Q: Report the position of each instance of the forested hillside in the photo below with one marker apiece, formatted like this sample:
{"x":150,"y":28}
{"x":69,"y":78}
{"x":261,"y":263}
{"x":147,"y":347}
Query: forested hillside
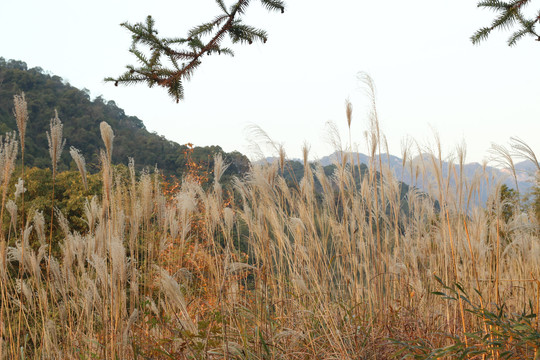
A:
{"x":81,"y":117}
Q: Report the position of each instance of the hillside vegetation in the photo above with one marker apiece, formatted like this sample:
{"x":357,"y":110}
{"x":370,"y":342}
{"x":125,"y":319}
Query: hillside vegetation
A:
{"x":81,"y":117}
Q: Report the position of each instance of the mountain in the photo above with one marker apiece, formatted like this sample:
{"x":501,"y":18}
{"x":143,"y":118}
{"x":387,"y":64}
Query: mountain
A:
{"x":81,"y":117}
{"x":526,"y":171}
{"x":423,"y":164}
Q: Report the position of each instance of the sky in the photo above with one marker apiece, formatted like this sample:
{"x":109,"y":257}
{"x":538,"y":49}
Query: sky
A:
{"x":430,"y":79}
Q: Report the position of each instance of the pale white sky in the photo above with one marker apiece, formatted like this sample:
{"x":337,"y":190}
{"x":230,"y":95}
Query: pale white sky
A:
{"x":428,"y":74}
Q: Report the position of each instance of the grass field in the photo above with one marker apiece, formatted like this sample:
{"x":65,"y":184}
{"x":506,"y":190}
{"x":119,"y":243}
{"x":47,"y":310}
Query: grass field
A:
{"x":268,"y":270}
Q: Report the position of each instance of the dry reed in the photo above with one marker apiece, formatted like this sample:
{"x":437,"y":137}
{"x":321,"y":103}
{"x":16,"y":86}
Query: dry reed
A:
{"x":325,"y":269}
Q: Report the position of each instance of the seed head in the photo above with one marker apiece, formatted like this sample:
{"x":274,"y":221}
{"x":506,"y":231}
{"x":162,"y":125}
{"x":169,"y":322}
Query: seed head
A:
{"x":348,"y":112}
{"x":56,"y":143}
{"x":21,"y":115}
{"x":81,"y":165}
{"x":8,"y":154}
{"x":107,"y":135}
{"x":19,"y":188}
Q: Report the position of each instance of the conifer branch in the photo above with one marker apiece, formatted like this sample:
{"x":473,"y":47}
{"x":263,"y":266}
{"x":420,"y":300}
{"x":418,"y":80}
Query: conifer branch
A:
{"x":189,"y":50}
{"x":510,"y":14}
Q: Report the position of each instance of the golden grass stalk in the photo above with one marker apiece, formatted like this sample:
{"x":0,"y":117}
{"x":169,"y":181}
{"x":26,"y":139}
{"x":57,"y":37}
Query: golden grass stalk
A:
{"x":21,"y":115}
{"x":55,"y":140}
{"x":81,"y":165}
{"x":107,"y":135}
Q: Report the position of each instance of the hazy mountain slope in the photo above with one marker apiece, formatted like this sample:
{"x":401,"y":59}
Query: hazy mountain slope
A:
{"x":423,"y":164}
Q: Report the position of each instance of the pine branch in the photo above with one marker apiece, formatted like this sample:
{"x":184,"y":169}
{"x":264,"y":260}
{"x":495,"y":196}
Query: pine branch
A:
{"x":274,"y":5}
{"x":152,"y":71}
{"x":222,"y":6}
{"x":516,"y":36}
{"x":494,"y":4}
{"x":509,"y":15}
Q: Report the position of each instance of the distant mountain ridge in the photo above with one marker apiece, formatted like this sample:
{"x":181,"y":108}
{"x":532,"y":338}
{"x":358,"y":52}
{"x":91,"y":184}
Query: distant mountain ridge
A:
{"x":525,"y":170}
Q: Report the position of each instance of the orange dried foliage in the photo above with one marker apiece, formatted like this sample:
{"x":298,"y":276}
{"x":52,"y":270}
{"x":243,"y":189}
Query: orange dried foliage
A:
{"x":196,"y":172}
{"x":196,"y":254}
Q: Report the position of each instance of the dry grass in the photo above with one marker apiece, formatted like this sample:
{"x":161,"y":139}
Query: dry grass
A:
{"x":275,"y":272}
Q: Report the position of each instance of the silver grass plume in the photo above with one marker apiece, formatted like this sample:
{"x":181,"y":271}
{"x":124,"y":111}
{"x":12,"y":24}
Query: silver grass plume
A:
{"x":8,"y":154}
{"x":282,"y":157}
{"x":81,"y":165}
{"x":370,"y":91}
{"x":16,"y":253}
{"x":62,"y":221}
{"x":107,"y":135}
{"x":107,"y":178}
{"x":39,"y":226}
{"x":348,"y":112}
{"x":91,"y":212}
{"x":305,"y":156}
{"x":255,"y":132}
{"x":145,"y":185}
{"x":219,"y":169}
{"x":118,"y":260}
{"x":503,"y":157}
{"x":522,"y":150}
{"x":175,"y":297}
{"x":406,"y":145}
{"x":228,"y":217}
{"x":56,"y":143}
{"x":3,"y":263}
{"x":19,"y":188}
{"x":307,"y":181}
{"x":131,"y":167}
{"x":12,"y":209}
{"x":334,"y":139}
{"x":21,"y":115}
{"x":131,"y":321}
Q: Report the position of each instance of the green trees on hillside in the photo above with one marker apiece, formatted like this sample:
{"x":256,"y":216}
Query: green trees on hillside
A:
{"x":81,"y":117}
{"x":173,"y":60}
{"x":509,"y":199}
{"x":536,"y":203}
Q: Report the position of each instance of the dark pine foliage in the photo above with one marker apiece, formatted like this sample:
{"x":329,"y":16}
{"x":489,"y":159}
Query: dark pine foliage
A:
{"x":167,"y":62}
{"x":509,"y":15}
